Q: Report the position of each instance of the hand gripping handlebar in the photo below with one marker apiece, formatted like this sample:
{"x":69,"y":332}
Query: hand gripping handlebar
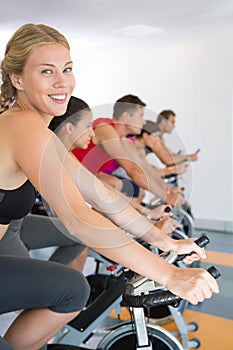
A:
{"x":142,"y":292}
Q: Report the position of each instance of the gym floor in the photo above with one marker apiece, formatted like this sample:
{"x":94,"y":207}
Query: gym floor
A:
{"x":214,"y":316}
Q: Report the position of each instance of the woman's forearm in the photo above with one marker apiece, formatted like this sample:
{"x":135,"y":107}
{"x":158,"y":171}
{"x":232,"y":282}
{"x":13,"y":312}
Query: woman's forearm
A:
{"x":151,"y":265}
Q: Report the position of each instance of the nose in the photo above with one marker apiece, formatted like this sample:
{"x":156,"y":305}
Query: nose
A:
{"x":92,"y":133}
{"x":60,"y":80}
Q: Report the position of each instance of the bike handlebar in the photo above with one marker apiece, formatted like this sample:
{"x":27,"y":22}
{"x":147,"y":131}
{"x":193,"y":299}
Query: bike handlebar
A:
{"x":156,"y":297}
{"x":201,"y":242}
{"x":159,"y":297}
{"x":171,"y":256}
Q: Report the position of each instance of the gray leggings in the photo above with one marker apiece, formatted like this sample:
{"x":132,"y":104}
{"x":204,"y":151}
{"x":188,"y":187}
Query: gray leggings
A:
{"x":36,"y":232}
{"x":30,"y":283}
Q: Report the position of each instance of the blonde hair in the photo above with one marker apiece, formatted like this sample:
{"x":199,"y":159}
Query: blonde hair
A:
{"x":17,"y":52}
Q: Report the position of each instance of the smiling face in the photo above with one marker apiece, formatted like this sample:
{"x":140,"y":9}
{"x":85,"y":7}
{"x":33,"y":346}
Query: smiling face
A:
{"x":47,"y":81}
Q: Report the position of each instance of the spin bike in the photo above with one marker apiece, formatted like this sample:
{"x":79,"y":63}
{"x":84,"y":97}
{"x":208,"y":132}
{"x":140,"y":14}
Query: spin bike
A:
{"x":136,"y":292}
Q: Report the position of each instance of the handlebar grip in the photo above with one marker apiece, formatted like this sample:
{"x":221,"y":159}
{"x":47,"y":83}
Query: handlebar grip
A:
{"x":214,"y":272}
{"x":159,"y":297}
{"x":201,"y":242}
{"x":167,"y":209}
{"x":150,"y":300}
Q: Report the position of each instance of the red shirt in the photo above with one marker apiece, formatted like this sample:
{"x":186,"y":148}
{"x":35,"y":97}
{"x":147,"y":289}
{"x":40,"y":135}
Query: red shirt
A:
{"x":94,"y":157}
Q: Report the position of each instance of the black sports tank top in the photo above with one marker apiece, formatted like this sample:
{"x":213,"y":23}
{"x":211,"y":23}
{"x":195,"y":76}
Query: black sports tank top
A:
{"x":15,"y":204}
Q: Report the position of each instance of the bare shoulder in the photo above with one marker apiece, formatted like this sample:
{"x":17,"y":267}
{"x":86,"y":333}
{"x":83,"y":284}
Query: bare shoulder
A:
{"x":20,"y":117}
{"x":20,"y":125}
{"x":104,"y":131}
{"x":23,"y":134}
{"x":17,"y":140}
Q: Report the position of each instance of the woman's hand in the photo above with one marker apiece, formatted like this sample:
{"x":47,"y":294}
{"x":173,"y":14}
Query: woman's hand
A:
{"x":168,"y":225}
{"x":192,"y":284}
{"x":188,"y":246}
{"x":161,"y":212}
{"x":182,"y":167}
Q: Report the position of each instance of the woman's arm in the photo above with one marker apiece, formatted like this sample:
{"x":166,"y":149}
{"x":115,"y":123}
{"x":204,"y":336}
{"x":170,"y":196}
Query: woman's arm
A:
{"x":163,"y":153}
{"x":118,"y":148}
{"x":173,"y":198}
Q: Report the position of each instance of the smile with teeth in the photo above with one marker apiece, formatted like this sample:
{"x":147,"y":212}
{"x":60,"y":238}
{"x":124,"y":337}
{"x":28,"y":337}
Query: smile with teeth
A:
{"x":58,"y":97}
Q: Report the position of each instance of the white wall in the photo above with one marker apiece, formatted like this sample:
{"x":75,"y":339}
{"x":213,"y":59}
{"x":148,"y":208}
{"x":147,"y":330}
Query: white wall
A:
{"x":192,"y":74}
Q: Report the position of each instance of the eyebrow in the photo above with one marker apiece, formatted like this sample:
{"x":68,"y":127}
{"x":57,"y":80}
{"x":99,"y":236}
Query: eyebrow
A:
{"x":52,"y":65}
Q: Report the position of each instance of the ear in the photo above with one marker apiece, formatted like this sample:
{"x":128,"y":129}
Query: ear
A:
{"x":69,"y":128}
{"x":16,"y":81}
{"x":125,"y":117}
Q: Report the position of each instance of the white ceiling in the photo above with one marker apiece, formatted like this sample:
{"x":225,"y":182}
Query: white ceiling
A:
{"x":96,"y":22}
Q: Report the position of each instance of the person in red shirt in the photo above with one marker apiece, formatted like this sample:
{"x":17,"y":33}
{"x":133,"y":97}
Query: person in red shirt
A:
{"x":110,"y":149}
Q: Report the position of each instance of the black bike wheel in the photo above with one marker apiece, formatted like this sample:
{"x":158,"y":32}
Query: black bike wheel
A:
{"x":124,"y":337}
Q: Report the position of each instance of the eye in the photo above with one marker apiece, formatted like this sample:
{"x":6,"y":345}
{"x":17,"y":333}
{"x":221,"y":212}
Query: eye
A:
{"x":47,"y":71}
{"x":68,"y":70}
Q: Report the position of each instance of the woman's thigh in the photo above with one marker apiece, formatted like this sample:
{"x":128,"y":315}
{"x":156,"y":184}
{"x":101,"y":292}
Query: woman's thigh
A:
{"x":30,"y":283}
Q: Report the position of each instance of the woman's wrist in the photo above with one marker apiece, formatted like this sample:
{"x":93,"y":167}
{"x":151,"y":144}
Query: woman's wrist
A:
{"x":166,"y":243}
{"x":147,"y":213}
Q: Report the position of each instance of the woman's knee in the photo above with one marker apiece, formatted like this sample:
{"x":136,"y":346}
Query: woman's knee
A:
{"x":80,"y":289}
{"x":76,"y":291}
